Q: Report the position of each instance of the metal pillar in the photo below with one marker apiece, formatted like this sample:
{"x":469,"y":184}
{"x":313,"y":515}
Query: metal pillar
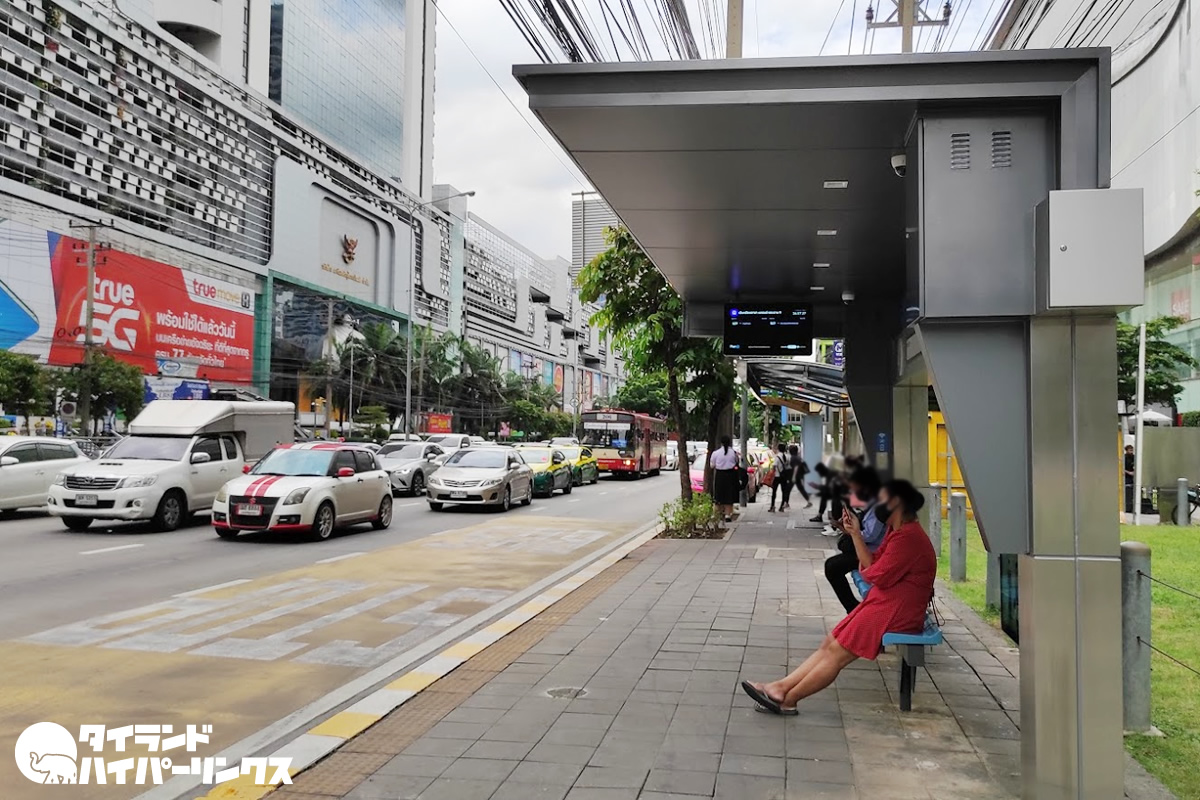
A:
{"x":958,"y":536}
{"x":1183,"y":511}
{"x":1070,"y":600}
{"x":992,"y":588}
{"x":812,"y":434}
{"x":933,"y":507}
{"x":743,"y":433}
{"x":1135,"y":635}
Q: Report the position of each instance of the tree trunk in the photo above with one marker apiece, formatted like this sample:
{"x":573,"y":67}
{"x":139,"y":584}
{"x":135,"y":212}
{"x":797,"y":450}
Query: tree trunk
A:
{"x":677,"y":414}
{"x":716,"y":413}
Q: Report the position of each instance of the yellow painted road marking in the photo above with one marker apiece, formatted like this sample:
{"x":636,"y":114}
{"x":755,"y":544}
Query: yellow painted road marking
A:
{"x":414,"y":681}
{"x":345,"y":724}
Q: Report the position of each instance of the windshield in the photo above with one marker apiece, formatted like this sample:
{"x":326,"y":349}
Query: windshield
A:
{"x":699,"y":461}
{"x":617,"y":432}
{"x":532,"y":456}
{"x":401,"y":451}
{"x":448,"y":439}
{"x":294,"y":462}
{"x":489,"y":458}
{"x":572,"y":453}
{"x":150,"y":448}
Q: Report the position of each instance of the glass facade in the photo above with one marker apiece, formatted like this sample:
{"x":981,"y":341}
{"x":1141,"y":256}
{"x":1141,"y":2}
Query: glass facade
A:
{"x":1170,"y":288}
{"x":339,"y":66}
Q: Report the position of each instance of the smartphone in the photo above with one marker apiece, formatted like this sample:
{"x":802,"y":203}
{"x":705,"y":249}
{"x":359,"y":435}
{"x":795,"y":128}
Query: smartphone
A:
{"x":17,"y":320}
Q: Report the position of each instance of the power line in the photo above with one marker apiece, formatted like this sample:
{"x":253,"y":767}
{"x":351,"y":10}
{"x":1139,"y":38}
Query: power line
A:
{"x":832,"y":23}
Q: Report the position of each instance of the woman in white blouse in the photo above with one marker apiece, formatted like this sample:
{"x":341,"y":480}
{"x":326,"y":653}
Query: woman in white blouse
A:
{"x":724,"y":462}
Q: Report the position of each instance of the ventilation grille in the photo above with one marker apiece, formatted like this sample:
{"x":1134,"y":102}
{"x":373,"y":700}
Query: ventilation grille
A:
{"x":960,"y":151}
{"x":1001,"y":149}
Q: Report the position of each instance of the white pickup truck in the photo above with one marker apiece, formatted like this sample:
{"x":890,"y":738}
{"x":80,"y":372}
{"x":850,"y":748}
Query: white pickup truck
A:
{"x":178,"y":454}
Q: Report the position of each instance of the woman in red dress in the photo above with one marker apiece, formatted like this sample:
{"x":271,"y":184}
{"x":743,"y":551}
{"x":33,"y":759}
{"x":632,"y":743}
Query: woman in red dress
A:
{"x":901,"y":574}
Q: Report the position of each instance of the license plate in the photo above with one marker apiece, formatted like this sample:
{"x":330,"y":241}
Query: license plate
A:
{"x":250,"y":511}
{"x":458,"y":495}
{"x":85,"y":500}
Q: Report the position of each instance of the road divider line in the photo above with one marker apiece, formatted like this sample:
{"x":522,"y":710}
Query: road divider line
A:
{"x":319,"y":741}
{"x":540,"y":508}
{"x":408,"y":505}
{"x":110,"y":549}
{"x":576,"y":500}
{"x":342,"y":557}
{"x":213,"y":588}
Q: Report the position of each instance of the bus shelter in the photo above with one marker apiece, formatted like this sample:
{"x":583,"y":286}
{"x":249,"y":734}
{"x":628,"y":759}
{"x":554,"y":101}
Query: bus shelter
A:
{"x":948,"y":216}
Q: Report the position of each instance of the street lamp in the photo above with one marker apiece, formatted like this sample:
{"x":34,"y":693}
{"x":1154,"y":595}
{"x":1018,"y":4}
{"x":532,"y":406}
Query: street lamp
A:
{"x":412,"y":291}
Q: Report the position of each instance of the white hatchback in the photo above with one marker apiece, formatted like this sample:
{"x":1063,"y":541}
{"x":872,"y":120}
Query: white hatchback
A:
{"x":28,"y":467}
{"x":314,"y":487}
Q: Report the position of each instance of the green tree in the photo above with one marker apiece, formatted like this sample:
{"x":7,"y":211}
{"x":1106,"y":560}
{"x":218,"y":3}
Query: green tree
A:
{"x":23,"y":385}
{"x":1165,"y":362}
{"x":375,"y":417}
{"x":116,"y":387}
{"x":643,"y":315}
{"x":646,"y":393}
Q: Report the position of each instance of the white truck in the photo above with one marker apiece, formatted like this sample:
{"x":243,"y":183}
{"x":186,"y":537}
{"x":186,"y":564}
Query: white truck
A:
{"x":178,"y":454}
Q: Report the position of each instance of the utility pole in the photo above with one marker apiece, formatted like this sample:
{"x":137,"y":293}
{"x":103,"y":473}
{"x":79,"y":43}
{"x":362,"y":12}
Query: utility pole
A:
{"x":91,"y":248}
{"x":906,"y":15}
{"x":329,"y":374}
{"x":733,"y":29}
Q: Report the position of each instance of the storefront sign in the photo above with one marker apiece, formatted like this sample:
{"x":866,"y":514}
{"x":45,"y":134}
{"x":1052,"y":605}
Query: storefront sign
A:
{"x":558,"y":378}
{"x":439,"y":423}
{"x":175,"y":389}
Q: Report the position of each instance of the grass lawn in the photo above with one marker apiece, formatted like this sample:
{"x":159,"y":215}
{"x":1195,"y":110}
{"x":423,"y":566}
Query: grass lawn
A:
{"x":1175,"y":692}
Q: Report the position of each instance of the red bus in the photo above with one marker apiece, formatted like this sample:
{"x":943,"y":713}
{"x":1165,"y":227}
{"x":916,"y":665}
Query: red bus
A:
{"x":625,"y":442}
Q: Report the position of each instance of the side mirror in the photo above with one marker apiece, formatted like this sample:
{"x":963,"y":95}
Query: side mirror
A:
{"x":246,"y":469}
{"x":345,"y":472}
{"x":8,"y":461}
{"x":431,"y":457}
{"x":201,"y":458}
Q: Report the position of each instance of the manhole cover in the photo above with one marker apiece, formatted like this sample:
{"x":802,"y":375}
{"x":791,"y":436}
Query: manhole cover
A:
{"x":567,"y":692}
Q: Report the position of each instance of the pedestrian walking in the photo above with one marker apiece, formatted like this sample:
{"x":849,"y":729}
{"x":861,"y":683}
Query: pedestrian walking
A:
{"x":784,"y":472}
{"x":725,"y":463}
{"x":799,"y":472}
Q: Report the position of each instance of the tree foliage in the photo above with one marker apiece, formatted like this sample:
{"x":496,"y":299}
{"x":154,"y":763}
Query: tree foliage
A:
{"x":116,"y":387}
{"x":1164,"y":362}
{"x":645,"y":393}
{"x":23,"y":384}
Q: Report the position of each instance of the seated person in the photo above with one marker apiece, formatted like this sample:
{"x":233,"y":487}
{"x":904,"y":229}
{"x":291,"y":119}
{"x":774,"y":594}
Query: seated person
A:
{"x":864,"y":487}
{"x":901,"y":573}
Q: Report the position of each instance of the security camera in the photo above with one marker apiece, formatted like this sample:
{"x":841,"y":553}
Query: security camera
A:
{"x":900,"y":165}
{"x":847,"y":297}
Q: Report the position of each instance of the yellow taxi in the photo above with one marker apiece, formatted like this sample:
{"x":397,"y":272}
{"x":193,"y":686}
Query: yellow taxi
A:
{"x":551,"y":470}
{"x":584,"y":467}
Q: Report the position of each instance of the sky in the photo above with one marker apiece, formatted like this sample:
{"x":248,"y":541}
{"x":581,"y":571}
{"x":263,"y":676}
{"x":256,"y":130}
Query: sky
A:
{"x":486,"y":139}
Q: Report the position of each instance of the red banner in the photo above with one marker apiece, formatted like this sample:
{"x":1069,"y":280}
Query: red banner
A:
{"x":439,"y":423}
{"x":162,"y":318}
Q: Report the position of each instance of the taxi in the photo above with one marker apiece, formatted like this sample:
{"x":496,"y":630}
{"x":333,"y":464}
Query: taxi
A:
{"x":584,"y":467}
{"x":551,"y":470}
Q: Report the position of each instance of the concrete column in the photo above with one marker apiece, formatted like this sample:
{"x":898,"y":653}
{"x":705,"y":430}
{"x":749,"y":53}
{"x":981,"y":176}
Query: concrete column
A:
{"x":1183,"y":512}
{"x":1135,"y":635}
{"x":958,"y":536}
{"x":992,"y":589}
{"x":933,"y":507}
{"x":910,"y":427}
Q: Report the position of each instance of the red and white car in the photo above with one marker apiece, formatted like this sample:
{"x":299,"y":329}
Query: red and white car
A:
{"x":314,"y":487}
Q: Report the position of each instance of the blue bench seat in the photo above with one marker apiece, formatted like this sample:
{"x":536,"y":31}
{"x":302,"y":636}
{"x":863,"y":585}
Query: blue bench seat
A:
{"x":911,"y":646}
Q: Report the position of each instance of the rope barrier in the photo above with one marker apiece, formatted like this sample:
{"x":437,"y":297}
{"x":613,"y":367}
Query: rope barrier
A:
{"x":1192,"y":595}
{"x":1169,"y":656}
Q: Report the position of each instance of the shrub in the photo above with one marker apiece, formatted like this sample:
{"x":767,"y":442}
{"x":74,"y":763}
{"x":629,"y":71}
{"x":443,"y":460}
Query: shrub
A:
{"x":695,"y":518}
{"x":1191,"y":419}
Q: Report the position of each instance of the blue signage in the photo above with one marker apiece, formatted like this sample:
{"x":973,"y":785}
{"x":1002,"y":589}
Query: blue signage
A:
{"x":176,"y":389}
{"x":839,"y":352}
{"x":881,"y":443}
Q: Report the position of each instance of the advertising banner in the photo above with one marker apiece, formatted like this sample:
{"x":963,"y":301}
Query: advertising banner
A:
{"x":159,"y":388}
{"x":839,"y":352}
{"x":559,"y":378}
{"x":514,"y":361}
{"x":439,"y":423}
{"x":548,"y":374}
{"x":164,"y":319}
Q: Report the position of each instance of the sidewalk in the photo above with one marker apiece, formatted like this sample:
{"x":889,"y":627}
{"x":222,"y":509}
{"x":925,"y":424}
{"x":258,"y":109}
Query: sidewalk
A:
{"x":627,"y":689}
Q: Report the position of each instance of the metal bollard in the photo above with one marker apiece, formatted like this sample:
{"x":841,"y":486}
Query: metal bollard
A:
{"x":1135,"y":635}
{"x":958,"y":536}
{"x":1183,"y":511}
{"x":933,"y":505}
{"x":991,"y":593}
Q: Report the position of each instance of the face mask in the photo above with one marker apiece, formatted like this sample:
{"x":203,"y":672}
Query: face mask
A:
{"x":882,"y":512}
{"x":863,"y":497}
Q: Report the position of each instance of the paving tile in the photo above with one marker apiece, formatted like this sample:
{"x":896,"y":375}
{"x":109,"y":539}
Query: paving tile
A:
{"x":512,"y":751}
{"x":588,"y":793}
{"x":458,"y":730}
{"x":611,"y":778}
{"x":686,"y":761}
{"x":480,"y":769}
{"x":748,"y":787}
{"x":512,"y":790}
{"x":803,"y":770}
{"x":689,"y":782}
{"x":416,"y":766}
{"x":389,"y":787}
{"x":561,"y":753}
{"x":545,"y":773}
{"x":456,"y":789}
{"x":813,"y":790}
{"x":753,"y":765}
{"x":451,"y":748}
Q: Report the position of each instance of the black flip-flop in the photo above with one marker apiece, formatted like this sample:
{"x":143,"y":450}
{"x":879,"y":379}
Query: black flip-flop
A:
{"x":761,"y":697}
{"x":783,"y":712}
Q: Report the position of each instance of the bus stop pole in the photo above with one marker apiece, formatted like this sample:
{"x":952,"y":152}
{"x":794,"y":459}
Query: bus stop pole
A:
{"x":744,"y":433}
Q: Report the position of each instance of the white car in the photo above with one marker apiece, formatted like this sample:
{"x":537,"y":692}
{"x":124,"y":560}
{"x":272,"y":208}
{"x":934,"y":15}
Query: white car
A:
{"x":28,"y":467}
{"x":450,"y":441}
{"x":315,"y":487}
{"x":671,"y":460}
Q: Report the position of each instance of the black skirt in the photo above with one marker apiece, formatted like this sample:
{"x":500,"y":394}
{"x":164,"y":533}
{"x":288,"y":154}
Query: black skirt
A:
{"x":725,"y":487}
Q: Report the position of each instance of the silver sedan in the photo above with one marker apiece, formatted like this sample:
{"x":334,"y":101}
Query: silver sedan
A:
{"x":409,"y":465}
{"x":493,"y":476}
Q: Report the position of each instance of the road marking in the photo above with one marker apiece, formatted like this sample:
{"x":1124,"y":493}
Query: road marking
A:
{"x":573,"y":501}
{"x":541,"y":508}
{"x":408,"y":505}
{"x":110,"y":549}
{"x":761,"y":553}
{"x":342,"y":557}
{"x":604,"y":493}
{"x":225,"y":585}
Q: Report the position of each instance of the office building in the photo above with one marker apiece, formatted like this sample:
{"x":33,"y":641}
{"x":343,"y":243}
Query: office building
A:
{"x":590,"y":215}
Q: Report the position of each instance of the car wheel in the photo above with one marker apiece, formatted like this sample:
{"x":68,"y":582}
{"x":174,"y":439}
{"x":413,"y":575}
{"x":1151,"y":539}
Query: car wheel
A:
{"x":567,"y":489}
{"x":171,"y":511}
{"x":595,"y":476}
{"x":323,"y":522}
{"x":435,"y":506}
{"x":77,"y":523}
{"x":528,"y":498}
{"x":506,"y":501}
{"x":418,"y":484}
{"x":384,"y":518}
{"x":226,"y":533}
{"x":577,"y":478}
{"x":7,"y":513}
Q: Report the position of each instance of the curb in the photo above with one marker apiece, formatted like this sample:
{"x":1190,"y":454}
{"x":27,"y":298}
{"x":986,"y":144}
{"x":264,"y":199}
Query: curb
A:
{"x":322,"y":739}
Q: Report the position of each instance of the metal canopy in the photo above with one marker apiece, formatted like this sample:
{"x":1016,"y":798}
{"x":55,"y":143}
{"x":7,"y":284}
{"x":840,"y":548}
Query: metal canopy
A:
{"x":719,"y":168}
{"x":798,"y":380}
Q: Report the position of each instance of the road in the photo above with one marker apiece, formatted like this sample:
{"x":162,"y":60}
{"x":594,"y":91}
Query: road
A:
{"x":124,"y":626}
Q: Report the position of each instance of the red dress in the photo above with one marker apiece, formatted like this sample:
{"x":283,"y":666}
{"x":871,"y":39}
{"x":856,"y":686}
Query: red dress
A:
{"x":901,"y":577}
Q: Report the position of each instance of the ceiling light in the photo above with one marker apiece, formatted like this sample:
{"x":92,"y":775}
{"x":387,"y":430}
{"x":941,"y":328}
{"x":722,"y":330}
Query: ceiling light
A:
{"x":816,"y":288}
{"x":827,"y":232}
{"x":820,"y":265}
{"x":836,"y":184}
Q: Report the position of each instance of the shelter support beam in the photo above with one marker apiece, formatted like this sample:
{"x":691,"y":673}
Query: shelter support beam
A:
{"x":910,"y":425}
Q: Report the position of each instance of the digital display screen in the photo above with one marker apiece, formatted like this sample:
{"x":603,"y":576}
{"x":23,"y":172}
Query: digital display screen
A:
{"x":768,"y":329}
